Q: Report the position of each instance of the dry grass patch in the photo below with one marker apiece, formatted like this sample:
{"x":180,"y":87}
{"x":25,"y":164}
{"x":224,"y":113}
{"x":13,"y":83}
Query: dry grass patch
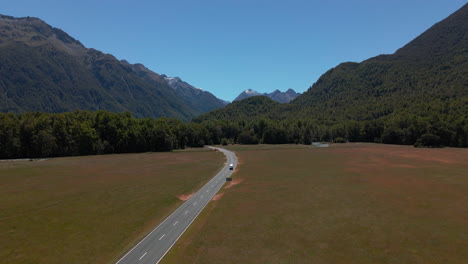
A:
{"x":350,"y":203}
{"x":92,"y":209}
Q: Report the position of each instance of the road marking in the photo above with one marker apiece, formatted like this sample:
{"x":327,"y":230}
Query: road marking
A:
{"x":143,"y":255}
{"x":176,"y":223}
{"x":207,"y":190}
{"x":220,"y":179}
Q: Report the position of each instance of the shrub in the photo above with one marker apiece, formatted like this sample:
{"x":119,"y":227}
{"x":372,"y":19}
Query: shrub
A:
{"x":339,"y":140}
{"x":428,"y":140}
{"x":224,"y":142}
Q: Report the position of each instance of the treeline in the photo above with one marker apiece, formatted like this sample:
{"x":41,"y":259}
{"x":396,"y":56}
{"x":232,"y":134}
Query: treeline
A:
{"x":34,"y":135}
{"x":433,"y":124}
{"x":403,"y":129}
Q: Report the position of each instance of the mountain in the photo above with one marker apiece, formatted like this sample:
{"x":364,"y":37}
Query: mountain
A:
{"x":432,"y":69}
{"x":283,"y":97}
{"x":246,"y":94}
{"x":277,"y":95}
{"x":418,"y":93}
{"x":198,"y":100}
{"x":245,"y":109}
{"x":44,"y":69}
{"x":195,"y":97}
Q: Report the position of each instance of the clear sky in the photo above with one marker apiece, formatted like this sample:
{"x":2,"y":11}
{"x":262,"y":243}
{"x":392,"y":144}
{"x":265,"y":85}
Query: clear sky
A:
{"x":227,"y":46}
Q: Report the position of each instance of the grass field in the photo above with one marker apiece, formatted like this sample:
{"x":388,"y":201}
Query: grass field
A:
{"x":92,"y":209}
{"x":350,"y":203}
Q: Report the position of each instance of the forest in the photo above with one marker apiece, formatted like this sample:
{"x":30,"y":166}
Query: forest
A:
{"x":416,"y":96}
{"x":40,"y":135}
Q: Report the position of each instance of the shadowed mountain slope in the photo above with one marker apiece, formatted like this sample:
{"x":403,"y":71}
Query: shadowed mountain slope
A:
{"x":44,"y":69}
{"x":428,"y":74}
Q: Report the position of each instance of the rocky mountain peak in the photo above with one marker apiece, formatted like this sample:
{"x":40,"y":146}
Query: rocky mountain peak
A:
{"x":277,"y":95}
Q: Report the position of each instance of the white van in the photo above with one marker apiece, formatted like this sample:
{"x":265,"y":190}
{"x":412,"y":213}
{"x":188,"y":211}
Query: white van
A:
{"x":231,"y":166}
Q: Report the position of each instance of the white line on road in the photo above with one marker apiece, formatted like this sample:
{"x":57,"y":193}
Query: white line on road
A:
{"x":207,"y":190}
{"x":143,"y":255}
{"x":186,"y":227}
{"x":220,"y":179}
{"x":176,"y":223}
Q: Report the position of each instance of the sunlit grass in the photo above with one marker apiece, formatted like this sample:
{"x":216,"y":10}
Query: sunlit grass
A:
{"x":351,"y":203}
{"x":92,"y":209}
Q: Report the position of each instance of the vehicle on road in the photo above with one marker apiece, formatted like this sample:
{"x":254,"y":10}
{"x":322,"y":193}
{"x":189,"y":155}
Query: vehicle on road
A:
{"x":231,"y":166}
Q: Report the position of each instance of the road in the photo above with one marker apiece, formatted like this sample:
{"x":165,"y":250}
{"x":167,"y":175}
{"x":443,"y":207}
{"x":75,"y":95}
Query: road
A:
{"x":156,"y":244}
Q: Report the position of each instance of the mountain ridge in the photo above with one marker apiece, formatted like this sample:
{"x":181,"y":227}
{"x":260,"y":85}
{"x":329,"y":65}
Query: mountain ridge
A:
{"x":197,"y":97}
{"x":42,"y":68}
{"x":425,"y":66}
{"x":277,"y":95}
{"x":418,"y":93}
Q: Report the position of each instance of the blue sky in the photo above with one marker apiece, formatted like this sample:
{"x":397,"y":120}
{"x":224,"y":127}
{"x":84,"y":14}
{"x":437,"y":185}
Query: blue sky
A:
{"x":227,"y":46}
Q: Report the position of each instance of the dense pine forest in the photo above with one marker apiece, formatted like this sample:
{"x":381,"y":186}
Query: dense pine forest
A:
{"x":35,"y":135}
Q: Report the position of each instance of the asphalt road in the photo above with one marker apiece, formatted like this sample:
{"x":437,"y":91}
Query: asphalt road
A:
{"x":156,"y":244}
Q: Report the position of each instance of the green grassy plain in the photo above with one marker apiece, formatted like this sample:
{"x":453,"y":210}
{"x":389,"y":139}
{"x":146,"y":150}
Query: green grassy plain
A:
{"x":92,"y":209}
{"x":350,"y":203}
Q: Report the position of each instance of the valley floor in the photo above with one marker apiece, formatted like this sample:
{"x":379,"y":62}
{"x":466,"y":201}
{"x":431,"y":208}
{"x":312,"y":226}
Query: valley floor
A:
{"x":92,"y":209}
{"x":349,"y":203}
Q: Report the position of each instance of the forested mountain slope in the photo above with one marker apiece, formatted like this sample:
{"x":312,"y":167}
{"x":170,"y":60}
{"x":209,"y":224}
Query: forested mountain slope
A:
{"x":420,"y":90}
{"x":245,"y":109}
{"x":44,"y":69}
{"x":429,"y":71}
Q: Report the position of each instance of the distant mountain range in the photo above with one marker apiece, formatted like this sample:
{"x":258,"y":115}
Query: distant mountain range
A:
{"x":420,"y":92}
{"x":44,"y":69}
{"x":277,"y":95}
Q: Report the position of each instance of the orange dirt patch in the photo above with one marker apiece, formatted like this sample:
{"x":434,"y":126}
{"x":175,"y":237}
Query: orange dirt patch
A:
{"x":184,"y":197}
{"x":233,"y":182}
{"x":218,"y":196}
